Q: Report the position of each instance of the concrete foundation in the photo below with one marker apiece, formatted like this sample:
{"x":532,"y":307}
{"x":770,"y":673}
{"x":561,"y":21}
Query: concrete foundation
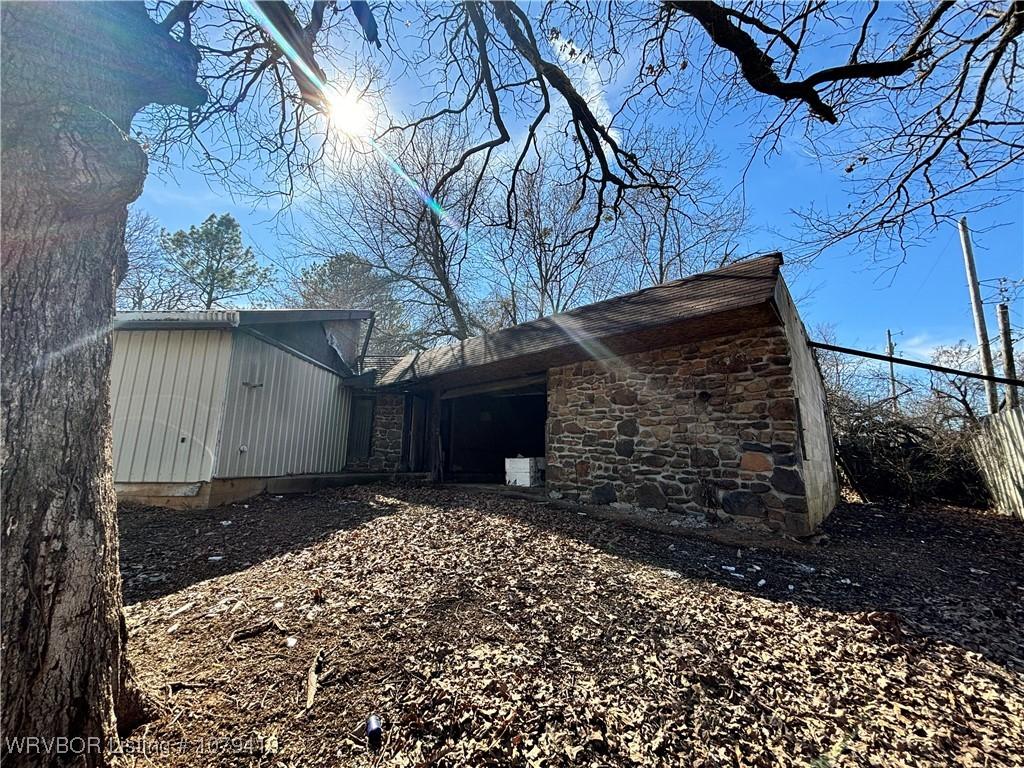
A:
{"x":220,"y":491}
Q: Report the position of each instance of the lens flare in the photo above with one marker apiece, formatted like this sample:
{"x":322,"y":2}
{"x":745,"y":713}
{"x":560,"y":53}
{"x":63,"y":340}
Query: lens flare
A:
{"x":350,"y":115}
{"x":294,"y":57}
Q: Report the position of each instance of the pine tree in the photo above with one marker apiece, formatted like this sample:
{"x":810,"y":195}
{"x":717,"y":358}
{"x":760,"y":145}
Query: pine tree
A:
{"x":212,"y":260}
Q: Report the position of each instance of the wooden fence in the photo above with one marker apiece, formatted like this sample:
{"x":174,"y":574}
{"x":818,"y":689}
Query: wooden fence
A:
{"x":999,"y":449}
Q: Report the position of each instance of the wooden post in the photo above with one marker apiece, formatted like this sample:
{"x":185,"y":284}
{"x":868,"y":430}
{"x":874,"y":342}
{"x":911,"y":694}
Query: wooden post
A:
{"x":979,"y":316}
{"x":1009,"y":366}
{"x":437,"y":456}
{"x":892,"y":373}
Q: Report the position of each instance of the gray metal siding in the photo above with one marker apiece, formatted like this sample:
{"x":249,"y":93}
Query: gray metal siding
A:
{"x":167,"y":393}
{"x":283,"y":416}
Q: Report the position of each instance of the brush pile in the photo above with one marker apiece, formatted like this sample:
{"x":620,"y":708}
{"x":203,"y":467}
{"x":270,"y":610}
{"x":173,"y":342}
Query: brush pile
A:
{"x":889,"y":457}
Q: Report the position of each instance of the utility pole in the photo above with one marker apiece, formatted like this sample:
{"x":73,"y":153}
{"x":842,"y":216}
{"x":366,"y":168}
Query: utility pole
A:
{"x":1009,"y":366}
{"x":979,"y":315}
{"x":892,"y":372}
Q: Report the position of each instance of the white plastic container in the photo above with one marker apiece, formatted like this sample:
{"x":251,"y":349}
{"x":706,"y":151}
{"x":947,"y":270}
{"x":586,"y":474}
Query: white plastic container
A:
{"x":523,"y":472}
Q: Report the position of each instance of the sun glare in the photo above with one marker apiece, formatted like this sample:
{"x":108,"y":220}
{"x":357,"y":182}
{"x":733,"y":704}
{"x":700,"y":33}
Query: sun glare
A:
{"x":350,"y":115}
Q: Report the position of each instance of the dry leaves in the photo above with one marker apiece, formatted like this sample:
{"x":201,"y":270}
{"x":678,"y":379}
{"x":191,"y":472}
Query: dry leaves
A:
{"x":486,"y":630}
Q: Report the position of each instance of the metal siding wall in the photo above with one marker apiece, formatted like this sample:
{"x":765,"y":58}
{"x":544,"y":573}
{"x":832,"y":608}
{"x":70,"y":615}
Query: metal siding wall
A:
{"x":166,"y":386}
{"x":293,"y":422}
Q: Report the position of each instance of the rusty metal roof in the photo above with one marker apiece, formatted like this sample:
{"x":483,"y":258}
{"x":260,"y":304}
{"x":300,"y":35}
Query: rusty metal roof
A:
{"x":582,"y":332}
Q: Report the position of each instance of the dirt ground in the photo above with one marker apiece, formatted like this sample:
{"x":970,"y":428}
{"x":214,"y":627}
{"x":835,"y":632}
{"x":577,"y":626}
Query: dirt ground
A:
{"x":485,"y":630}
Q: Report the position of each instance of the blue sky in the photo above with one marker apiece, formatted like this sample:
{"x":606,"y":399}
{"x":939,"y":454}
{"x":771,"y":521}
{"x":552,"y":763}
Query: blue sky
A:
{"x":924,"y":301}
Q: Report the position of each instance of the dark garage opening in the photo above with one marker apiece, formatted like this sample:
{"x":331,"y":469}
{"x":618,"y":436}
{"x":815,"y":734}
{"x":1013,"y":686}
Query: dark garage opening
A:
{"x":482,"y":429}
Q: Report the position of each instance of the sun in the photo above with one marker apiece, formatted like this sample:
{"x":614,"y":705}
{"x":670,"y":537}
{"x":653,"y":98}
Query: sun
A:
{"x":350,"y":115}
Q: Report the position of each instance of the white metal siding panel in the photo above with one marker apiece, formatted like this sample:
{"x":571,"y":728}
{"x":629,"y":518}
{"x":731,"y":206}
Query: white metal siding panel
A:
{"x":284,"y":416}
{"x":167,"y":392}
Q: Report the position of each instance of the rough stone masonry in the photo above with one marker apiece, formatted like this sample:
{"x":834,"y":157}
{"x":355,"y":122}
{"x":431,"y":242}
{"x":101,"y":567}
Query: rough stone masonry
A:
{"x":708,"y":429}
{"x":386,"y":439}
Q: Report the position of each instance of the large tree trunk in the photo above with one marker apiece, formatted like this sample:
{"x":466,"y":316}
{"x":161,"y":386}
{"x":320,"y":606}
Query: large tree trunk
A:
{"x":74,"y":75}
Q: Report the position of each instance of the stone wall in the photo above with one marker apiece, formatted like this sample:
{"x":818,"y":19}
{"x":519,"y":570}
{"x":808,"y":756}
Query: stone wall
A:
{"x":708,"y":430}
{"x":386,"y":440}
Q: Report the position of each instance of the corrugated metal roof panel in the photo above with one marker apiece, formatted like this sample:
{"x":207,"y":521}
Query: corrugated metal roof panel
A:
{"x":740,"y":285}
{"x":215,"y":318}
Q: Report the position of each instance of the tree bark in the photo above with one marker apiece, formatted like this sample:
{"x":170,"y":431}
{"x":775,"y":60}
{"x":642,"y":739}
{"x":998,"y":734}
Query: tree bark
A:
{"x":74,"y":75}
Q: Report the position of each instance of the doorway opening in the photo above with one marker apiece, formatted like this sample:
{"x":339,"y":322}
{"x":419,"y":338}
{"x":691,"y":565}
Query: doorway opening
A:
{"x":482,"y":426}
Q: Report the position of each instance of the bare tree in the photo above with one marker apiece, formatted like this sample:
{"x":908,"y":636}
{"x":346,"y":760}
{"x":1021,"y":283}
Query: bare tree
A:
{"x":542,"y":265}
{"x":943,"y":402}
{"x":915,"y":103}
{"x":691,"y":226}
{"x":925,"y":96}
{"x":344,"y":281}
{"x":846,"y":377}
{"x":149,"y":282}
{"x":955,"y":402}
{"x":425,"y":251}
{"x":920,"y":451}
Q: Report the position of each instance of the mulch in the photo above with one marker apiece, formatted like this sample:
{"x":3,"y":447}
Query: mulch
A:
{"x":484,"y":630}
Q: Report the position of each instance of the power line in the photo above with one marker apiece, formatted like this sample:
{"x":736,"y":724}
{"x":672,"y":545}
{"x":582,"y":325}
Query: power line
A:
{"x":913,"y":363}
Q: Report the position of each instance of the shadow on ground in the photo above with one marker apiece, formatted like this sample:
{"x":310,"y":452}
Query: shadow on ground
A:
{"x":933,"y":572}
{"x":164,"y":550}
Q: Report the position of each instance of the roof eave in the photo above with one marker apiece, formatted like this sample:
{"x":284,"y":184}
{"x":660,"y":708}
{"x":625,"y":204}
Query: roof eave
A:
{"x":271,"y":316}
{"x":195,"y":319}
{"x":140,"y":321}
{"x":757,"y":314}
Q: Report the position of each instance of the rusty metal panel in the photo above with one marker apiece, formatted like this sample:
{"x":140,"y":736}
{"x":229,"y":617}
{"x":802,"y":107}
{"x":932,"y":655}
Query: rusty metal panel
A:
{"x":284,"y":414}
{"x":167,"y":394}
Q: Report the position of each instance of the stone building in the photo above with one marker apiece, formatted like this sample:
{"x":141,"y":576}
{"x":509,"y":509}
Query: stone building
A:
{"x":698,"y":397}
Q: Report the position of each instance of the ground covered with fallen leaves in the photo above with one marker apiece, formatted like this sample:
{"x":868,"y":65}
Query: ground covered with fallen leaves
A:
{"x":485,"y":630}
